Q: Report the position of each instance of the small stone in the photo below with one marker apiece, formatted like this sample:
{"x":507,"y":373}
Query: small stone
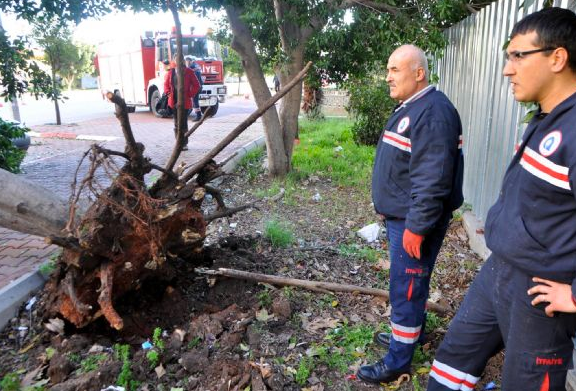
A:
{"x":281,"y":307}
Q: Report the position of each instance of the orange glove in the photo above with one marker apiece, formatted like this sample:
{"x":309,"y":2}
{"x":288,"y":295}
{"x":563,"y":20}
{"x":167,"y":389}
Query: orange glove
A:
{"x":412,"y":243}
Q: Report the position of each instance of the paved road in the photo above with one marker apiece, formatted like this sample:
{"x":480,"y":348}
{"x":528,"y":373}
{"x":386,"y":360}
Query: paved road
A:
{"x":52,"y":162}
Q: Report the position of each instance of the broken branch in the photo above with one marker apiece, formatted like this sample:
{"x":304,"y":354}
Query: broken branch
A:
{"x":245,"y":124}
{"x":312,"y":285}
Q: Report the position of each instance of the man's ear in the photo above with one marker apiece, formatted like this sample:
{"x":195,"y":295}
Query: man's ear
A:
{"x":559,"y":60}
{"x":420,"y":74}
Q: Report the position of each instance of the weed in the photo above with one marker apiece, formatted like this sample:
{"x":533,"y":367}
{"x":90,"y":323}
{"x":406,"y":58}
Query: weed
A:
{"x":50,"y":352}
{"x":416,"y":384}
{"x":264,"y":298}
{"x":92,"y":362}
{"x":122,"y":353}
{"x":250,"y":163}
{"x":345,"y":345}
{"x":279,"y":233}
{"x":420,"y":356}
{"x":157,"y":339}
{"x":47,"y":268}
{"x":10,"y":382}
{"x":365,"y":253}
{"x":434,"y":322}
{"x":75,"y":358}
{"x":326,"y":300}
{"x":153,"y":357}
{"x":304,"y":370}
{"x":194,"y":342}
{"x":288,"y":292}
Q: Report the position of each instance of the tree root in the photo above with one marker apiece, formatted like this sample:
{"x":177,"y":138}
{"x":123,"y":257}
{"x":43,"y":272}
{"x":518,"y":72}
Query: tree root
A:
{"x":105,"y":298}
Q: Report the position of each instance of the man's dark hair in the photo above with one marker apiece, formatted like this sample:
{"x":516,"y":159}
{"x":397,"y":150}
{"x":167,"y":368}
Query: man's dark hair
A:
{"x":555,"y":27}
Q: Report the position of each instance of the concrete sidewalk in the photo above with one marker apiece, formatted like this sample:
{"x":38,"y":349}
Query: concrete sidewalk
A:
{"x":54,"y":156}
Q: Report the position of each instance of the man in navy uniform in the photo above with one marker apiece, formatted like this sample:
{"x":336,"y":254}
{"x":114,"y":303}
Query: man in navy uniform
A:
{"x":416,"y":185}
{"x":523,"y":297}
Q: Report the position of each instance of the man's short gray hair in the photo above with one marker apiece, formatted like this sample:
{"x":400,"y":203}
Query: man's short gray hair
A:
{"x":420,"y":60}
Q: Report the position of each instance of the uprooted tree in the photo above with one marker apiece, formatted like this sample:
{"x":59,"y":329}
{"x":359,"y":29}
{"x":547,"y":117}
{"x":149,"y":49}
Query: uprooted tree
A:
{"x":129,"y":232}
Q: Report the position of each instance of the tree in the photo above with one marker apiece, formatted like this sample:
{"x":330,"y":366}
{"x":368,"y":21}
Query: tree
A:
{"x":81,"y":64}
{"x":287,"y":33}
{"x":233,"y":66}
{"x":60,"y":53}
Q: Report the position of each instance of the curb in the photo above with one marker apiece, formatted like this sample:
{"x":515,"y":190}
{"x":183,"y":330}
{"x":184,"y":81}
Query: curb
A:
{"x":231,"y":163}
{"x":71,"y":136}
{"x":18,"y":291}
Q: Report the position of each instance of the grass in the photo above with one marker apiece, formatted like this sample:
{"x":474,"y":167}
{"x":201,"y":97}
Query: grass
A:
{"x":251,"y":163}
{"x":278,"y":233}
{"x":10,"y":382}
{"x":319,"y":154}
{"x":304,"y":370}
{"x":264,"y":298}
{"x":360,"y":252}
{"x":122,"y":353}
{"x":92,"y":362}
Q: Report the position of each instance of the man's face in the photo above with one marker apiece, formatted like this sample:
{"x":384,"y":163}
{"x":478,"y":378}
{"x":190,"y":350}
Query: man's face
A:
{"x":401,"y":77}
{"x":530,"y":75}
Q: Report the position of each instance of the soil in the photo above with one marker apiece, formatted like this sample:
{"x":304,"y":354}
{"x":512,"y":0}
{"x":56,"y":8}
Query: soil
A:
{"x":229,"y":334}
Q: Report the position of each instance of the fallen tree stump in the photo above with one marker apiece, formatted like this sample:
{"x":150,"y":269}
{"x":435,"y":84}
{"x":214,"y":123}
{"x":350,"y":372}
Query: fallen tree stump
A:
{"x":130,"y":231}
{"x":316,"y":286}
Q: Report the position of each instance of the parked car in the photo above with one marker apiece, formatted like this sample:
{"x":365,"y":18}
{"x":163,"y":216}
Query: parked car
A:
{"x":22,"y":142}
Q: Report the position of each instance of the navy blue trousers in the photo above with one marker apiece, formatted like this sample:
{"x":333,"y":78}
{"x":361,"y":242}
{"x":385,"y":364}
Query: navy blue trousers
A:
{"x":409,"y":287}
{"x":497,"y":313}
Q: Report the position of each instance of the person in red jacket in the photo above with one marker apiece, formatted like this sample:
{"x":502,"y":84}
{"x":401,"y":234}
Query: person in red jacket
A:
{"x":191,"y":88}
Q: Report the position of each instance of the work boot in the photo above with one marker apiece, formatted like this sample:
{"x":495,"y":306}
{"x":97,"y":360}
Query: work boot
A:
{"x":383,"y":339}
{"x":197,"y":118}
{"x":379,"y":373}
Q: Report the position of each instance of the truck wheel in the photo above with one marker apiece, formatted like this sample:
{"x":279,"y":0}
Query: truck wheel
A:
{"x":213,"y":110}
{"x":153,"y":100}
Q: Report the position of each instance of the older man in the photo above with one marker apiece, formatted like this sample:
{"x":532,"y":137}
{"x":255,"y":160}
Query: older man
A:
{"x":416,"y":185}
{"x":523,"y":299}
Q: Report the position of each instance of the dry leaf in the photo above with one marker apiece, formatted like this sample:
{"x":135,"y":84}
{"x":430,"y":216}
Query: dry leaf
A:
{"x":55,"y":325}
{"x":322,"y":323}
{"x":160,"y":371}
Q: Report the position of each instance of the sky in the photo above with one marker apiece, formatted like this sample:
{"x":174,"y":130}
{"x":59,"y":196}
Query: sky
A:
{"x":93,"y":31}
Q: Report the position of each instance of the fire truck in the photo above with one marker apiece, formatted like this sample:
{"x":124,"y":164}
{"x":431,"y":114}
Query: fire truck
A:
{"x":134,"y":67}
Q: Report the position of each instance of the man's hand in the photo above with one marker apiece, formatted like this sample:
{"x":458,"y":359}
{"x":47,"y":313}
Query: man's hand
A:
{"x":557,"y":294}
{"x":412,"y":243}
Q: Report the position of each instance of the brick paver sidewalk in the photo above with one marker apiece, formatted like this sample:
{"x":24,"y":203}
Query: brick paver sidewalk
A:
{"x":52,"y":162}
{"x":21,"y":253}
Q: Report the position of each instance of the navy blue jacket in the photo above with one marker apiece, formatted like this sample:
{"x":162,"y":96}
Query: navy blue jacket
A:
{"x":419,"y":164}
{"x":532,"y":225}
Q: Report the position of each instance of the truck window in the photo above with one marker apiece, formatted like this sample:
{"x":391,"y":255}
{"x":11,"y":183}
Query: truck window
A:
{"x":198,"y":47}
{"x":162,"y":50}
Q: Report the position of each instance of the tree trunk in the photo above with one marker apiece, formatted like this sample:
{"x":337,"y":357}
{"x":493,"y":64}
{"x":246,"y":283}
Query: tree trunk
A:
{"x":278,"y":163}
{"x":30,"y":208}
{"x":56,"y":96}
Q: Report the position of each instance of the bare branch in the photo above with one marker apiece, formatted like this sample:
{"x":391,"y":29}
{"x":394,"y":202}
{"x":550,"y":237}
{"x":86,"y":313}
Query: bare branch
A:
{"x":245,"y":124}
{"x":226,"y":212}
{"x":121,"y":112}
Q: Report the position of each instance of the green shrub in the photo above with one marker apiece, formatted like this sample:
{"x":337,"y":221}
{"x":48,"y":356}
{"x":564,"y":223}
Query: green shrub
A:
{"x":370,"y":105}
{"x":10,"y":156}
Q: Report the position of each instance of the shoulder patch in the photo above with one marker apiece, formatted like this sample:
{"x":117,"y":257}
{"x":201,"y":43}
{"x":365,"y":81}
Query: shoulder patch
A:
{"x":550,"y":143}
{"x":403,"y":124}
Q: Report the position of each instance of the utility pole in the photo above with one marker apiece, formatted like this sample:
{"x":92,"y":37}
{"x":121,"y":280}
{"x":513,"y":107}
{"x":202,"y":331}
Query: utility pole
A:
{"x":13,"y":100}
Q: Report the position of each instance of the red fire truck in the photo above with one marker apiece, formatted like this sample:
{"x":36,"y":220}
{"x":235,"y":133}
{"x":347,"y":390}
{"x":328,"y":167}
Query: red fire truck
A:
{"x":134,"y":67}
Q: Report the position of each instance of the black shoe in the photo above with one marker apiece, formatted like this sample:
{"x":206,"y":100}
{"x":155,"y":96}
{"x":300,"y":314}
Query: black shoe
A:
{"x":378,"y":373}
{"x":383,"y":339}
{"x":197,"y":118}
